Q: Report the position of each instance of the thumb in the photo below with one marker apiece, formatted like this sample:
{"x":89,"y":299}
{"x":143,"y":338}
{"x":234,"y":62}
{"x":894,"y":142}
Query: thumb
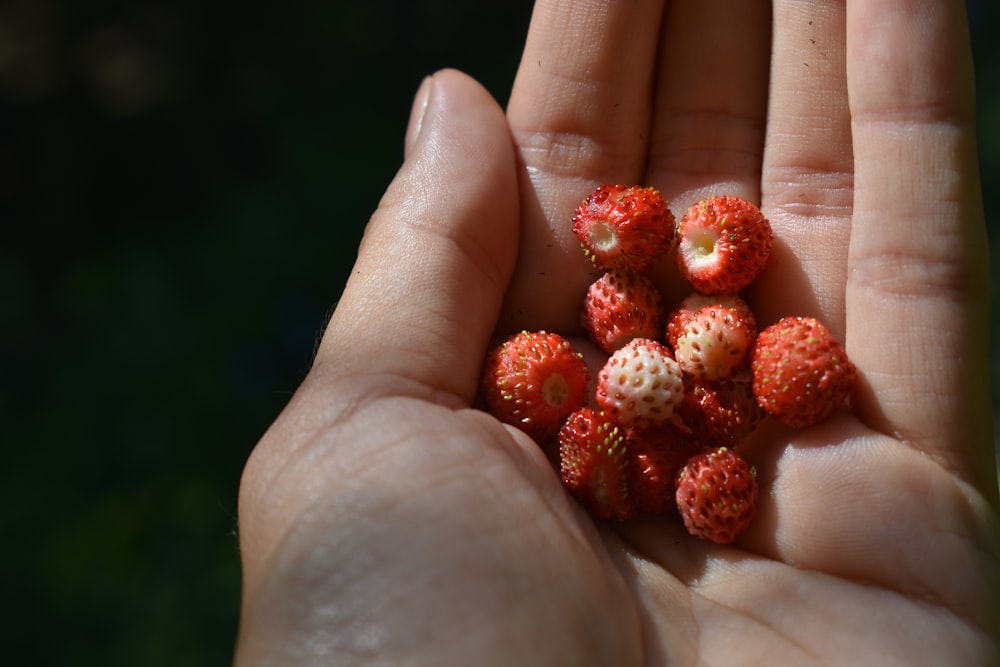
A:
{"x":436,"y":257}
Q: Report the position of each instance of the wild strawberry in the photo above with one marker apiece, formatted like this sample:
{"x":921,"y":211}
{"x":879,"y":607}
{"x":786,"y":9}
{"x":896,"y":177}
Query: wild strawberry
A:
{"x":655,"y":455}
{"x":722,"y":244}
{"x":717,"y":495}
{"x":640,"y":384}
{"x":621,"y":306}
{"x":721,"y":413}
{"x":682,"y":313}
{"x":801,"y":373}
{"x":714,"y":342}
{"x":624,"y":227}
{"x":534,"y":380}
{"x":592,"y":463}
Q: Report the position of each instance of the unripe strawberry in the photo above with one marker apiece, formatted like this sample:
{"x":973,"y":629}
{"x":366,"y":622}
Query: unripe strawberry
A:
{"x":714,"y":342}
{"x":640,"y":384}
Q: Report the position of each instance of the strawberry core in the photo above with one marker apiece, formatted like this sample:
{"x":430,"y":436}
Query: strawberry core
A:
{"x":555,"y":389}
{"x":603,"y":236}
{"x":702,"y":245}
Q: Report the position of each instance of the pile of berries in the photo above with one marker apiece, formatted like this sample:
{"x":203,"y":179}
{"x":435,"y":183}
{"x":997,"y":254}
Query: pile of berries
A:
{"x":682,"y":388}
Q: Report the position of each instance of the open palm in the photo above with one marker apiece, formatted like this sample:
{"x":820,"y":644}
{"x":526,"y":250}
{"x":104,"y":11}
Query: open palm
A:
{"x":385,"y":521}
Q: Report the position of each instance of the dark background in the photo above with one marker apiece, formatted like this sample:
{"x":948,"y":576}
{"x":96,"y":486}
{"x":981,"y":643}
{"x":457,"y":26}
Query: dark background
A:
{"x":183,"y":186}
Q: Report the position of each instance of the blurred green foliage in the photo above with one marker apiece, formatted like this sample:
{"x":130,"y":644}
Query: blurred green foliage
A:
{"x":183,"y":186}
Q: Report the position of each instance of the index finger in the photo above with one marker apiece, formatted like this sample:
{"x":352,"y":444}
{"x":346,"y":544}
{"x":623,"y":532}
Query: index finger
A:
{"x":579,"y":115}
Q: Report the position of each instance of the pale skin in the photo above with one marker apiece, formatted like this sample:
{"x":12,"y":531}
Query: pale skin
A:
{"x":384,"y":521}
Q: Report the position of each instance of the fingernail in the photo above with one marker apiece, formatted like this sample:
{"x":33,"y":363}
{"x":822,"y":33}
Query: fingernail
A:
{"x":417,"y":113}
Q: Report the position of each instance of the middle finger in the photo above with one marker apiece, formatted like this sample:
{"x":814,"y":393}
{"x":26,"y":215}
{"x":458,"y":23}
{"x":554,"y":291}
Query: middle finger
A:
{"x":710,"y":103}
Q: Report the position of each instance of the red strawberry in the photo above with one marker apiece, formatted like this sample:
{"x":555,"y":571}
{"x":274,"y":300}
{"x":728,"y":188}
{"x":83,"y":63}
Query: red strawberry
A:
{"x":640,"y":384}
{"x":714,"y":341}
{"x":717,"y":495}
{"x":624,"y":227}
{"x":722,"y":244}
{"x":801,"y":373}
{"x":592,"y":463}
{"x":655,"y":456}
{"x":621,"y":306}
{"x":720,"y":413}
{"x":534,"y":380}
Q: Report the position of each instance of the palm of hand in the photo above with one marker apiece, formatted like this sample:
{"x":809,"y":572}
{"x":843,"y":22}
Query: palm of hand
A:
{"x":871,"y":539}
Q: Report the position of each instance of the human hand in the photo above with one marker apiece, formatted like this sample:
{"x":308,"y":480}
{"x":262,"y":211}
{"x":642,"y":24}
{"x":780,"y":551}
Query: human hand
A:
{"x":382,"y":520}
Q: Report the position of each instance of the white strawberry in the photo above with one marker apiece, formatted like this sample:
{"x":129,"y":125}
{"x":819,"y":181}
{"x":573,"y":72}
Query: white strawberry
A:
{"x":640,"y":384}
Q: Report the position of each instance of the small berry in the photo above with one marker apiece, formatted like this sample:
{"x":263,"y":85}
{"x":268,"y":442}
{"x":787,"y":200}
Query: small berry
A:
{"x":640,"y":384}
{"x":801,"y":373}
{"x":623,"y":227}
{"x":655,"y":456}
{"x":621,"y":306}
{"x":721,"y":413}
{"x":714,"y":342}
{"x":717,"y":495}
{"x":592,"y":463}
{"x":534,"y":380}
{"x":682,"y":313}
{"x":722,"y":244}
